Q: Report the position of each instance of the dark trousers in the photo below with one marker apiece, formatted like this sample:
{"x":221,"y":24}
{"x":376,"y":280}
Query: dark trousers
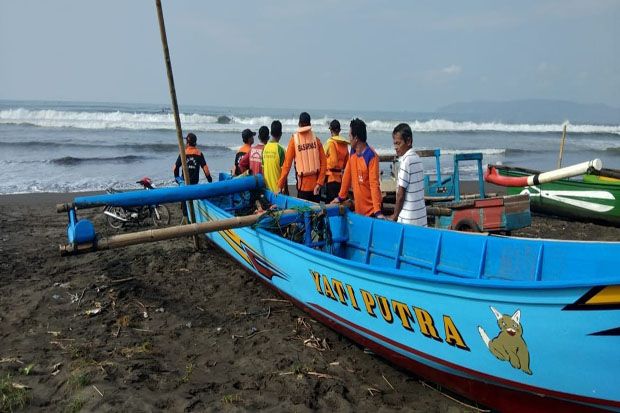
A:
{"x":333,"y":188}
{"x":308,"y":196}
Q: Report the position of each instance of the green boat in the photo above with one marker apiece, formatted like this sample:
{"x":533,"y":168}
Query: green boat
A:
{"x":593,"y":198}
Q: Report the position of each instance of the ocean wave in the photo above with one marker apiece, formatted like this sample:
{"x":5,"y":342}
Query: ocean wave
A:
{"x":79,"y":185}
{"x":72,"y":160}
{"x":486,"y":151}
{"x":234,"y":124}
{"x":100,"y":120}
{"x":134,"y":147}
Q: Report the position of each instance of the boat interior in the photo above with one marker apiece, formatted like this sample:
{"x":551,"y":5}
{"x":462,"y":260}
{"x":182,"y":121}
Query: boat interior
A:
{"x":390,"y":246}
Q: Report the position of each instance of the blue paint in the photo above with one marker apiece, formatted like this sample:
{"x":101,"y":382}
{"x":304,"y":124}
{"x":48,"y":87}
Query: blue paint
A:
{"x":79,"y":231}
{"x":460,"y":276}
{"x":175,"y":194}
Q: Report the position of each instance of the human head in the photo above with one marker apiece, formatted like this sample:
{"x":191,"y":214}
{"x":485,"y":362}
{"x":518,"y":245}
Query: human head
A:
{"x":402,"y":138}
{"x":263,"y":134}
{"x":304,"y":119}
{"x":334,"y":127}
{"x":191,"y":139}
{"x":276,"y":129}
{"x":357,"y":132}
{"x":248,"y":136}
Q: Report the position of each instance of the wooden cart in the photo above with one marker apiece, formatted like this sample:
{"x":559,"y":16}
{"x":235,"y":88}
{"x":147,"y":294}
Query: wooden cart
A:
{"x":448,"y":208}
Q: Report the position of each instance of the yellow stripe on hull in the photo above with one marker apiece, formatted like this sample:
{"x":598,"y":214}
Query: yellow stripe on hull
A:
{"x":608,"y":295}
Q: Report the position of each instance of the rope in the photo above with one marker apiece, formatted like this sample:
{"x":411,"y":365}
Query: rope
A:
{"x":319,"y":225}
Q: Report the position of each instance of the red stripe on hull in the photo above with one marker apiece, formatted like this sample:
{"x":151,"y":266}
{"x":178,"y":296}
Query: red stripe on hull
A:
{"x":540,"y":395}
{"x":493,"y":395}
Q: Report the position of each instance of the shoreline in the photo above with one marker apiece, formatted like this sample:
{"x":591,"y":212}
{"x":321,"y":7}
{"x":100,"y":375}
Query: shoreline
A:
{"x":53,"y":198}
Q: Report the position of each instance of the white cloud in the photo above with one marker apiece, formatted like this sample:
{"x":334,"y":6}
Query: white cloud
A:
{"x":451,"y":70}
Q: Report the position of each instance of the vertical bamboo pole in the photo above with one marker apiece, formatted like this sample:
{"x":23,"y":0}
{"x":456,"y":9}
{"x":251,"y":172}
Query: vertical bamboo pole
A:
{"x":562,"y":146}
{"x":175,"y":106}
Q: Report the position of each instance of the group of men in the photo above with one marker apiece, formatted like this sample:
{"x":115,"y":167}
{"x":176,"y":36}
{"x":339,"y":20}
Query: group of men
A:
{"x":330,"y":171}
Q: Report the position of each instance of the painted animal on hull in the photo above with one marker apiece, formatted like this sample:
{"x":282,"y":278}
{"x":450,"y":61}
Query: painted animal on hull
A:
{"x":509,"y":344}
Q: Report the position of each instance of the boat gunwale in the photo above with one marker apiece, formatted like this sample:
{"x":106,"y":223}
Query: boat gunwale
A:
{"x":443,"y":278}
{"x":614,"y":187}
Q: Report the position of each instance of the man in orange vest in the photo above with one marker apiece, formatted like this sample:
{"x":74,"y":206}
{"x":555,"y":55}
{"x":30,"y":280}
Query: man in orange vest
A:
{"x":310,"y":163}
{"x":337,"y":154}
{"x":248,"y":139}
{"x":195,"y":162}
{"x":361,"y":174}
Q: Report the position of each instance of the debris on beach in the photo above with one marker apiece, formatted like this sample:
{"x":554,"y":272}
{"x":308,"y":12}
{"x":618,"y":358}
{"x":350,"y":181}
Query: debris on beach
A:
{"x":93,"y":311}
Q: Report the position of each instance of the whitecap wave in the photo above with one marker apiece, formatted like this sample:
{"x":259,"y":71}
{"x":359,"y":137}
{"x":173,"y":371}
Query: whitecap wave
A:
{"x":485,"y":151}
{"x":209,"y":123}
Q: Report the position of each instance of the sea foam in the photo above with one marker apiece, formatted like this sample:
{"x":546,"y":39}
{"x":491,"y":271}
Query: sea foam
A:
{"x":209,"y":123}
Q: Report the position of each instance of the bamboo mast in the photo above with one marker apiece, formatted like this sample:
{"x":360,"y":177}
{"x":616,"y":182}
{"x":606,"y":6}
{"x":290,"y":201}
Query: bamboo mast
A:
{"x":175,"y":107}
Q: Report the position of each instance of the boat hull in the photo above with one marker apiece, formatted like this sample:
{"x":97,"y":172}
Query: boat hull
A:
{"x":592,"y":200}
{"x":436,"y":327}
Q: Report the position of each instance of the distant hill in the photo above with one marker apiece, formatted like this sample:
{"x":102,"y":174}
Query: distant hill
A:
{"x":533,"y":111}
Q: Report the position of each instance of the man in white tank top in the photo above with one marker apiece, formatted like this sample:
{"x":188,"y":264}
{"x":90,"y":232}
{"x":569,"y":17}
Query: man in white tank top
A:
{"x":410,"y":207}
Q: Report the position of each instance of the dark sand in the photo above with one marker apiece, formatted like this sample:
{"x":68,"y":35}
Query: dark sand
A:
{"x":180,"y":330}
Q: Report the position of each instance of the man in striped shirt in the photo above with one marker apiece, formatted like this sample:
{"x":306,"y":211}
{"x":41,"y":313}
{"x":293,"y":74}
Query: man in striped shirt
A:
{"x":410,"y":207}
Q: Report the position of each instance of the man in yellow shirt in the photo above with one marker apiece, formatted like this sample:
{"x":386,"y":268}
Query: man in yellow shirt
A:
{"x":273,"y":158}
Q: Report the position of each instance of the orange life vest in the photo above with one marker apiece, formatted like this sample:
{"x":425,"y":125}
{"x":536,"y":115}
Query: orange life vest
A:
{"x":307,"y":161}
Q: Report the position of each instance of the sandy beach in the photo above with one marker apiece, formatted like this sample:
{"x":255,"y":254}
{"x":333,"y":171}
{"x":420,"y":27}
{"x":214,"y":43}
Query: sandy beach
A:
{"x":162,"y":327}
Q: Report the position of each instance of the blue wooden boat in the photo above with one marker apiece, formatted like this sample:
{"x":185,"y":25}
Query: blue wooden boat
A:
{"x":513,"y":324}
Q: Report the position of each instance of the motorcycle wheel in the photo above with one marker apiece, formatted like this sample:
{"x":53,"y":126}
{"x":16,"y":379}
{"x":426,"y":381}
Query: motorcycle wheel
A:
{"x":160,"y":215}
{"x":113,"y":222}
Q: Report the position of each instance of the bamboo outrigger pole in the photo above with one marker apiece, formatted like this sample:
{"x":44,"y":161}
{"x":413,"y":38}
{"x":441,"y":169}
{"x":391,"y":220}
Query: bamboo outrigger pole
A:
{"x":175,"y":107}
{"x":154,"y":235}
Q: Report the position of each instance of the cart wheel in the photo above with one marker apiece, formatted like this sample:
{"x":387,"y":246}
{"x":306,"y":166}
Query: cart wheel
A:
{"x":467,"y":225}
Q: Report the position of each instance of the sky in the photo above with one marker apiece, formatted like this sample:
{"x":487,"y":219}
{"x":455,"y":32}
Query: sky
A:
{"x":345,"y":54}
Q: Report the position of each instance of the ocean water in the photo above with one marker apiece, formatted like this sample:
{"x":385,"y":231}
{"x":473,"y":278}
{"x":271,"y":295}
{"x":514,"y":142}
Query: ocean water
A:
{"x":75,"y":146}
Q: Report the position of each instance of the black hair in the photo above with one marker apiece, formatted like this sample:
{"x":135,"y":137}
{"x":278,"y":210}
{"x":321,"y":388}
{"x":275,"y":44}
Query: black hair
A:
{"x":246,"y":135}
{"x":276,"y":128}
{"x":405,"y":131}
{"x":358,"y":129}
{"x":334,"y":125}
{"x":263,"y":134}
{"x":304,"y":119}
{"x":191,"y":139}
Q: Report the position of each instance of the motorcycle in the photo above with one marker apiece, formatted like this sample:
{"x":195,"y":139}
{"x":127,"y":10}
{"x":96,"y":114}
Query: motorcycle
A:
{"x":119,"y":217}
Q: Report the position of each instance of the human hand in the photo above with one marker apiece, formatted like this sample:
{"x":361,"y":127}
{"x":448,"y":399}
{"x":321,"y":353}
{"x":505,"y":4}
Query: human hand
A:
{"x":317,"y":189}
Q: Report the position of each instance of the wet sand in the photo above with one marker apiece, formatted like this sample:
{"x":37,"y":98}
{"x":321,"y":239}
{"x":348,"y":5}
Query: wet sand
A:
{"x":178,"y":330}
